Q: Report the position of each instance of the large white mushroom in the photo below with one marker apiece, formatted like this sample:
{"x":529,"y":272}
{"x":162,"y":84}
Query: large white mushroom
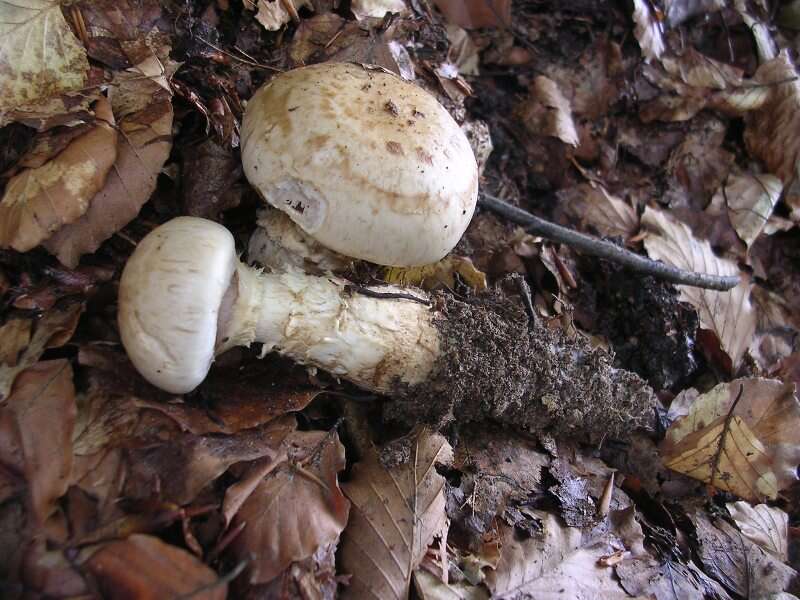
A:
{"x":185,"y":297}
{"x":365,"y":163}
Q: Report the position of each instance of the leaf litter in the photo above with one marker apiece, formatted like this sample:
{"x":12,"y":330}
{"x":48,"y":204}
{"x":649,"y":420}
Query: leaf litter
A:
{"x":592,"y":432}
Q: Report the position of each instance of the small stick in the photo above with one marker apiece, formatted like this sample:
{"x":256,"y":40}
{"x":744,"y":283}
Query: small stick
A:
{"x":595,"y":247}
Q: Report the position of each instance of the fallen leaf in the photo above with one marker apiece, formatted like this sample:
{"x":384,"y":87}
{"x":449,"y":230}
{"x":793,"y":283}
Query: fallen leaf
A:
{"x":769,"y":132}
{"x":38,"y":202}
{"x":430,"y":587}
{"x":211,"y":186}
{"x":39,"y":56}
{"x":751,"y":200}
{"x":648,"y":30}
{"x":377,"y":8}
{"x":739,"y":437}
{"x":593,"y":206}
{"x":430,"y":277}
{"x":548,"y":112}
{"x":144,"y":143}
{"x":42,"y":408}
{"x":740,"y":565}
{"x":463,"y":52}
{"x":272,"y":14}
{"x":52,"y":330}
{"x":728,"y":315}
{"x":15,"y":335}
{"x":311,"y":578}
{"x":295,"y":509}
{"x":764,"y":525}
{"x":143,"y":566}
{"x":553,"y":564}
{"x":396,"y":514}
{"x":476,"y":14}
{"x":678,"y":11}
{"x":668,"y":580}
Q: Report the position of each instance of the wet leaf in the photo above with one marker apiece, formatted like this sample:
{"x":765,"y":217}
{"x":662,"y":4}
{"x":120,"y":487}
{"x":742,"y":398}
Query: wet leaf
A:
{"x":739,"y":437}
{"x":444,"y":272}
{"x":764,"y":525}
{"x":751,"y":200}
{"x":143,"y":566}
{"x":41,"y":413}
{"x":648,"y":30}
{"x":294,"y":509}
{"x":52,"y":330}
{"x":396,"y":514}
{"x":39,"y":56}
{"x":728,"y":315}
{"x":40,"y":201}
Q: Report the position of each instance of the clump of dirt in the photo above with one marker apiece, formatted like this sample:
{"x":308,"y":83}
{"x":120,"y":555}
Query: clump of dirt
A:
{"x":651,"y":331}
{"x":498,"y":366}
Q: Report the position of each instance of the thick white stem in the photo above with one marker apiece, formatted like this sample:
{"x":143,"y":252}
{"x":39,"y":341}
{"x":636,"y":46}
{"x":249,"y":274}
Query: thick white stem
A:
{"x":374,"y":342}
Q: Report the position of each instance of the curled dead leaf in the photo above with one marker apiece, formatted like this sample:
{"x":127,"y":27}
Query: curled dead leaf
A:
{"x":740,"y":437}
{"x":648,"y":30}
{"x":441,"y":273}
{"x":39,"y":201}
{"x":730,"y":316}
{"x":548,"y":112}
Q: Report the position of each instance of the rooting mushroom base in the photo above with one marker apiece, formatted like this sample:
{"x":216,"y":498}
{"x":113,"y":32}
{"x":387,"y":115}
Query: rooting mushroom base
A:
{"x":494,"y":366}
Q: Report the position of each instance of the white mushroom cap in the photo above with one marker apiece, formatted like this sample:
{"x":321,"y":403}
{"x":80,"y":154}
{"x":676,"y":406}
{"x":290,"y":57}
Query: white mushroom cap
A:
{"x":169,"y":301}
{"x":369,"y":165}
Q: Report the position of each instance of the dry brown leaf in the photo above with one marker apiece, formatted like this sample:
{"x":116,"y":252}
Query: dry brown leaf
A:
{"x":42,"y":409}
{"x":554,"y":564}
{"x":272,"y":14}
{"x":143,"y":566}
{"x":463,"y":52}
{"x":52,"y":330}
{"x":764,"y":525}
{"x":751,"y":200}
{"x":297,"y":508}
{"x":430,"y":587}
{"x":144,"y":143}
{"x":548,"y":112}
{"x":592,"y":205}
{"x":377,"y":8}
{"x":771,"y":131}
{"x":667,"y":580}
{"x":728,"y":315}
{"x":441,"y":273}
{"x":648,"y":30}
{"x":475,"y":14}
{"x":747,"y":446}
{"x":395,"y":516}
{"x":14,"y":338}
{"x":38,"y":202}
{"x":39,"y":56}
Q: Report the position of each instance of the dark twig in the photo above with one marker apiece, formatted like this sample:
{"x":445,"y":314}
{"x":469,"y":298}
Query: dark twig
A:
{"x":384,"y":295}
{"x":604,"y":249}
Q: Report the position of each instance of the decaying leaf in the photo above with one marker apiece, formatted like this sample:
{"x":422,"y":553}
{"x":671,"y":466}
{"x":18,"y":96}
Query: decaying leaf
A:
{"x":740,"y":437}
{"x":474,"y":14}
{"x":554,"y":564}
{"x":648,"y":30}
{"x":39,"y":56}
{"x":593,"y":206}
{"x":548,"y":112}
{"x":751,"y":200}
{"x":764,"y":525}
{"x":740,"y":565}
{"x":143,"y":145}
{"x":377,"y":8}
{"x":272,"y":14}
{"x":14,"y":337}
{"x":441,"y":273}
{"x":39,"y":201}
{"x":396,"y":513}
{"x":770,"y":133}
{"x":728,"y":315}
{"x":430,"y":587}
{"x":668,"y":580}
{"x":41,"y":413}
{"x":463,"y":52}
{"x":293,"y":507}
{"x":142,"y":566}
{"x":678,"y":11}
{"x":52,"y":330}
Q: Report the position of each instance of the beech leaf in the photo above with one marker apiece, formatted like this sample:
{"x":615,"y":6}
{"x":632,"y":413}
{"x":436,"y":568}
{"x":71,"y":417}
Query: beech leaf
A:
{"x":396,"y":513}
{"x":764,"y":525}
{"x":751,"y":200}
{"x":729,"y":315}
{"x":740,"y":437}
{"x":648,"y":30}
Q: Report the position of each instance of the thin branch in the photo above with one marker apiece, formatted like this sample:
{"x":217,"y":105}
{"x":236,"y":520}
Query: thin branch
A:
{"x":591,"y":245}
{"x":357,"y":289}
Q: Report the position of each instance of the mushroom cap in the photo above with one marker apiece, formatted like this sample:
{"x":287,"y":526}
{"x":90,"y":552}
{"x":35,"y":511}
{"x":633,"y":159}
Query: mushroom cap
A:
{"x":169,"y":301}
{"x":369,"y":165}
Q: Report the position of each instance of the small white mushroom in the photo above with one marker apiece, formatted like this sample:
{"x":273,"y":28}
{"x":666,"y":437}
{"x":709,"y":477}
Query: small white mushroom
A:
{"x":185,"y":297}
{"x":369,"y":165}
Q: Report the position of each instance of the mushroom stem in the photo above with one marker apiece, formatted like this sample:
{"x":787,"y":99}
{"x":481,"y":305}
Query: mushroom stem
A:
{"x":377,"y":343}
